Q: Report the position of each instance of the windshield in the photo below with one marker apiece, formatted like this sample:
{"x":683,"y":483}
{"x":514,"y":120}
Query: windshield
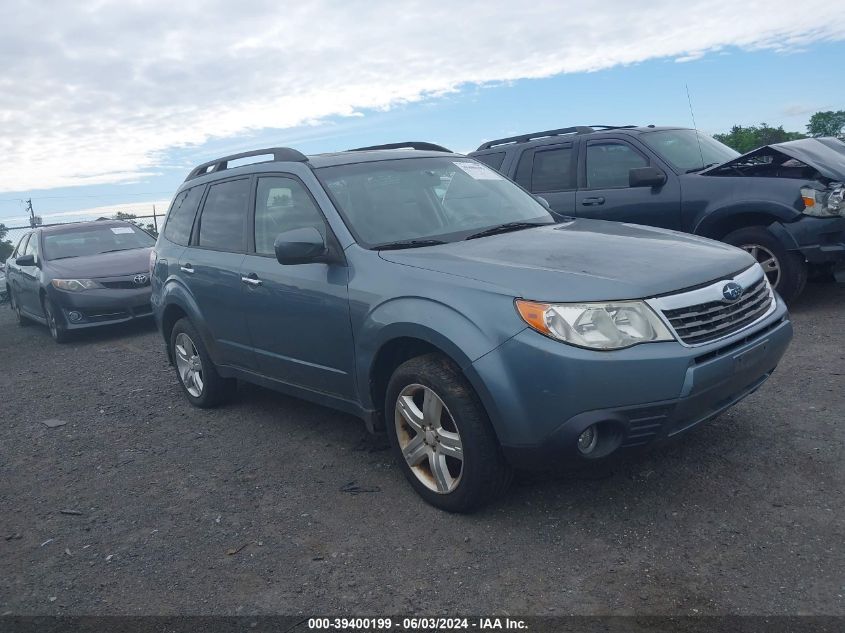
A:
{"x":441,"y":198}
{"x":685,"y":152}
{"x":94,"y":240}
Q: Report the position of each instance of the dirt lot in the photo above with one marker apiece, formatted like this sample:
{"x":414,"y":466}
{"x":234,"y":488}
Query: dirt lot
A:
{"x":253,"y":508}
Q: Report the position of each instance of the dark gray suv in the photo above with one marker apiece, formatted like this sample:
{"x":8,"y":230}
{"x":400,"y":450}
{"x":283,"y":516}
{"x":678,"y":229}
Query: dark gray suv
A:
{"x":423,"y":292}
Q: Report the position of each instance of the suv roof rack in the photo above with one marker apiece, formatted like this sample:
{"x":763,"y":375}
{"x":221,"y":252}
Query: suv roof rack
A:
{"x":421,"y":145}
{"x":578,"y":129}
{"x":220,"y":164}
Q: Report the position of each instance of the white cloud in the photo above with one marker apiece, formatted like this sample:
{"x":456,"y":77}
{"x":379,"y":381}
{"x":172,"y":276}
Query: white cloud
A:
{"x":97,"y":94}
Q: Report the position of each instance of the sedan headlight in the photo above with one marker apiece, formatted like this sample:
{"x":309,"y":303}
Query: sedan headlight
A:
{"x":824,"y":203}
{"x":75,"y":285}
{"x":605,"y":326}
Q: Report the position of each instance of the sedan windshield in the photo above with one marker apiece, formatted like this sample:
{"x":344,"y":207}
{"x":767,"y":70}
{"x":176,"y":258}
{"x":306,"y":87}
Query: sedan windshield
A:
{"x":94,"y":240}
{"x":412,"y":202}
{"x":688,"y":150}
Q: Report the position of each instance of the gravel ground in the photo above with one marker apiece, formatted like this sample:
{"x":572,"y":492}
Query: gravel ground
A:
{"x":141,"y":504}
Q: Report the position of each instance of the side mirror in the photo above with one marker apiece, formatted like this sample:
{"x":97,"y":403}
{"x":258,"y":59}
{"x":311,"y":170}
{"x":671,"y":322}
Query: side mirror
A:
{"x":300,"y":246}
{"x":25,"y":260}
{"x":646,"y":177}
{"x":544,"y":202}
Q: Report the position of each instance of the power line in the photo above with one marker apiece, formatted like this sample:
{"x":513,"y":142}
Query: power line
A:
{"x":106,"y":195}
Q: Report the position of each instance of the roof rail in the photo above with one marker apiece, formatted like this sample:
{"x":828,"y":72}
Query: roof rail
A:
{"x":613,"y":127}
{"x":220,"y":164}
{"x":578,"y":129}
{"x":421,"y":145}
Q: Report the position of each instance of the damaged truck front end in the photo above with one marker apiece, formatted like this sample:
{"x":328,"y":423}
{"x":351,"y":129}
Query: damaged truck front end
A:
{"x":810,"y":176}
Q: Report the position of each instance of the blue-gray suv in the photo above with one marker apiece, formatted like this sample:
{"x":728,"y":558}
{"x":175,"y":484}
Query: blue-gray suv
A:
{"x":425,"y":293}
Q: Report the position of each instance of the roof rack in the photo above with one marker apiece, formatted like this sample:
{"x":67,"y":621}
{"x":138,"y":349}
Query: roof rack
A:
{"x":578,"y":129}
{"x":420,"y":145}
{"x":220,"y":164}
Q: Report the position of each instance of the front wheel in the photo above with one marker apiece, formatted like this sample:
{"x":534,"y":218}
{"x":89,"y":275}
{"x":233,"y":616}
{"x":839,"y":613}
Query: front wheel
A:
{"x":16,"y":308}
{"x":59,"y":334}
{"x":441,"y":436}
{"x":786,"y":271}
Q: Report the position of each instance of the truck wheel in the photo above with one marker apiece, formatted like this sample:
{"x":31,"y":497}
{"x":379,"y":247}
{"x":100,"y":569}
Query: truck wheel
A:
{"x":787,"y":272}
{"x":198,"y":376}
{"x":441,"y":436}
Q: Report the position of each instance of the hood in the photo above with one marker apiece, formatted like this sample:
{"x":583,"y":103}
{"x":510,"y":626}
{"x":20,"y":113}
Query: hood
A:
{"x":825,"y":155}
{"x":116,"y":264}
{"x":583,"y":260}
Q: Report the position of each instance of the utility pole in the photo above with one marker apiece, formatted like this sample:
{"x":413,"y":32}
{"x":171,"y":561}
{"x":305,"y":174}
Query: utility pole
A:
{"x":31,"y":213}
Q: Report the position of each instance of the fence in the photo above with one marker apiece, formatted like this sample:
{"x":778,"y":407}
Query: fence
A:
{"x":150,"y":223}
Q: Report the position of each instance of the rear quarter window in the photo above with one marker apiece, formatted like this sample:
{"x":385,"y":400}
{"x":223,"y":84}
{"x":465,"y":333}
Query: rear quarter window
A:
{"x":180,"y":218}
{"x":492,"y":160}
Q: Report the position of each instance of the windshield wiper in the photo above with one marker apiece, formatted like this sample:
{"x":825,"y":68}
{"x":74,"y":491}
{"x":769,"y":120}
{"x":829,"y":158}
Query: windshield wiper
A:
{"x":116,"y":250}
{"x":505,"y":228}
{"x":393,"y":246}
{"x":702,"y":168}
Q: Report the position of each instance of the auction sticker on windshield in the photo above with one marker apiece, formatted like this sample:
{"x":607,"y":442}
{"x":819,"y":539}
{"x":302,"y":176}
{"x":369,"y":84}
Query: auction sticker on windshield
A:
{"x":478,"y":171}
{"x":119,"y":230}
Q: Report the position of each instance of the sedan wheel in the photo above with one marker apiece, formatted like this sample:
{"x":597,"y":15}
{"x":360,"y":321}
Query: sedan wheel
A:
{"x":189,"y":365}
{"x":767,"y":259}
{"x":429,"y":438}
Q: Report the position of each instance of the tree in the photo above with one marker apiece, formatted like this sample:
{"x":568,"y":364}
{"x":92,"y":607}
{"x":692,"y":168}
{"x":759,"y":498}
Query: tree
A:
{"x":827,"y":123}
{"x":6,"y":246}
{"x":149,"y":227}
{"x":746,"y":139}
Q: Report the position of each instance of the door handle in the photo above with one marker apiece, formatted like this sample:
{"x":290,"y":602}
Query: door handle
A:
{"x":187,"y":268}
{"x":591,"y":202}
{"x":251,"y":280}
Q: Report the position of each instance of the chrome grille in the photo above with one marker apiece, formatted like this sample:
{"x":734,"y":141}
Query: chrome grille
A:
{"x":697,"y":322}
{"x":713,"y":320}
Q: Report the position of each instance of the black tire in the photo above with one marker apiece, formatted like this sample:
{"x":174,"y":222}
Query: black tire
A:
{"x":59,"y":334}
{"x":484,"y":474}
{"x":792,"y":266}
{"x":19,"y":317}
{"x":215,"y":390}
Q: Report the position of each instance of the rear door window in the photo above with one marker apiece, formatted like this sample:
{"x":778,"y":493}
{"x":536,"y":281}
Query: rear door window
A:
{"x":180,"y":218}
{"x":223,"y":220}
{"x":553,"y":170}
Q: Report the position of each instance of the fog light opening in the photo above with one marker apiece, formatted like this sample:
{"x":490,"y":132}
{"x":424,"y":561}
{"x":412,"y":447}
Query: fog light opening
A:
{"x":74,"y":316}
{"x":588,"y":440}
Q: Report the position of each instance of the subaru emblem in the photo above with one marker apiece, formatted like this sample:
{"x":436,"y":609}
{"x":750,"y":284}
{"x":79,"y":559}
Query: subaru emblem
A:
{"x":140,"y":280}
{"x":732,"y":291}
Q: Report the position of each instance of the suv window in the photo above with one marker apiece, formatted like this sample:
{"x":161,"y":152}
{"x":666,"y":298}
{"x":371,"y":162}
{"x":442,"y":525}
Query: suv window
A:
{"x":553,"y":170}
{"x":608,"y":164}
{"x":493,"y":160}
{"x":223,"y":216}
{"x":282,"y":204}
{"x":180,"y":218}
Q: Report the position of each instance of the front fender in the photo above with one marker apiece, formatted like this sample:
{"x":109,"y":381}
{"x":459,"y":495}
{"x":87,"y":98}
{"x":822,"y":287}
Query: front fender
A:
{"x":433,"y":322}
{"x":774,"y":211}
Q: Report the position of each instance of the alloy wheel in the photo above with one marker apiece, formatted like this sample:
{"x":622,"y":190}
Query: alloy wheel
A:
{"x":429,"y":438}
{"x":766,"y":259}
{"x":189,"y":365}
{"x":51,"y":321}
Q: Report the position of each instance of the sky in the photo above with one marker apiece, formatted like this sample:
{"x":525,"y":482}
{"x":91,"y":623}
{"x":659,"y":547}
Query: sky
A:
{"x":106,"y":106}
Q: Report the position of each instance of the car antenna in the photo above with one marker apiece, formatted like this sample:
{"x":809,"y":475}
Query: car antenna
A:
{"x":694,"y":126}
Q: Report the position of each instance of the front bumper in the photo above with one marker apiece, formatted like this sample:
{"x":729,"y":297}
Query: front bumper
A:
{"x":542,"y":394}
{"x":819,"y":240}
{"x":101,"y":306}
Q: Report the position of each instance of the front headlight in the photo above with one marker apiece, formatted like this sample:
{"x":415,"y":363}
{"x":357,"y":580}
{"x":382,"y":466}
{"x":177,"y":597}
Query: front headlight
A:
{"x":75,"y":285}
{"x":605,"y":326}
{"x":824,"y":203}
